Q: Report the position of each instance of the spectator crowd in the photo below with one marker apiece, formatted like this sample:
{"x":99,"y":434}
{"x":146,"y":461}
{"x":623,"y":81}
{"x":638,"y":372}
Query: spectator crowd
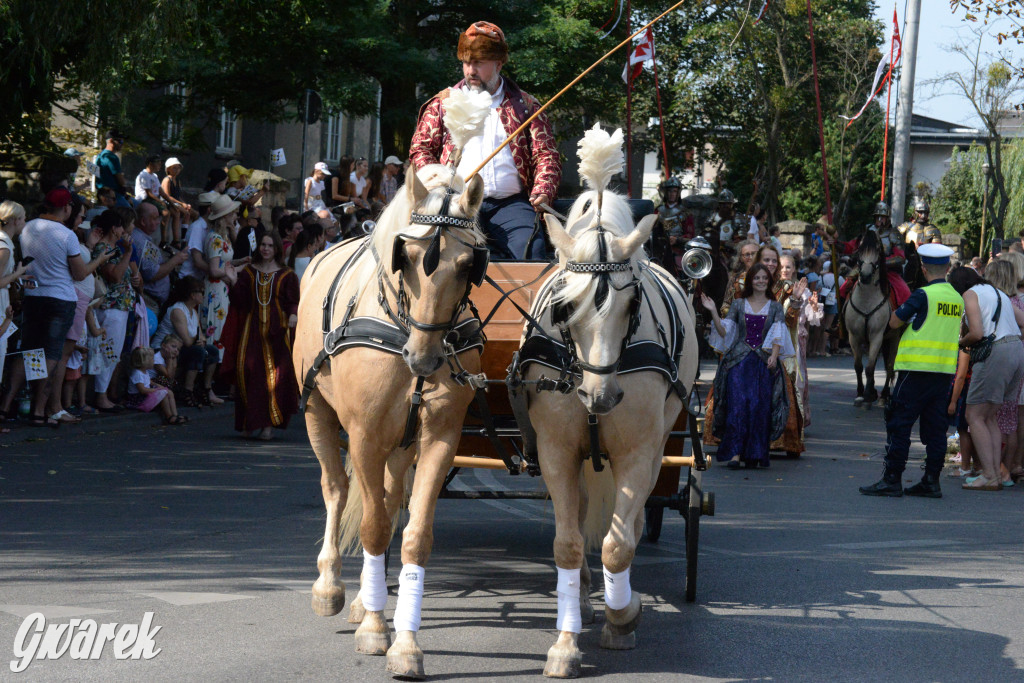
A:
{"x":153,"y":300}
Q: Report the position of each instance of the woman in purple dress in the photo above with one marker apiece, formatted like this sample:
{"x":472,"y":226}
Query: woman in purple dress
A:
{"x":751,"y":406}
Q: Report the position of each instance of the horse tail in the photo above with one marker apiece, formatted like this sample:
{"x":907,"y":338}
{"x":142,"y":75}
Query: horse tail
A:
{"x":600,"y":493}
{"x":349,"y":541}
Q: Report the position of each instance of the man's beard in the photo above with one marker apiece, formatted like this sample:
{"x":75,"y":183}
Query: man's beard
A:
{"x":490,"y":87}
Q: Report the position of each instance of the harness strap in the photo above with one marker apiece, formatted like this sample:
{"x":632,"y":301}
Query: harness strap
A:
{"x":309,"y":384}
{"x":595,"y":443}
{"x":873,"y":310}
{"x":414,"y":412}
{"x":511,"y":463}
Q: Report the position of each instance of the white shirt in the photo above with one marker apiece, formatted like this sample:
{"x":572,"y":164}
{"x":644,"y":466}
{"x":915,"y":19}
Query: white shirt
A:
{"x":316,"y":189}
{"x":196,"y":240}
{"x":1006,"y":325}
{"x":51,"y":244}
{"x":146,"y":181}
{"x":501,"y":179}
{"x":137,"y":377}
{"x":357,"y":182}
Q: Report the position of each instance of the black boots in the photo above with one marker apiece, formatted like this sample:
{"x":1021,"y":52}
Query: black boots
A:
{"x":888,"y":485}
{"x":928,"y":487}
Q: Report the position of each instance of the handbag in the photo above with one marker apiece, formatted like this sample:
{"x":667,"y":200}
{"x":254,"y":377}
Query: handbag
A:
{"x":981,"y":349}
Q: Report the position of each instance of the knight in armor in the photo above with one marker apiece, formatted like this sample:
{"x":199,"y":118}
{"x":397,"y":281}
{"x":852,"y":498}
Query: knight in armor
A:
{"x":673,"y":228}
{"x":920,"y":230}
{"x":894,"y":256}
{"x":722,"y":232}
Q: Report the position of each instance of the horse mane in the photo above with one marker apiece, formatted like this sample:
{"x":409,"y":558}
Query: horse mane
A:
{"x":871,"y":243}
{"x":580,"y":289}
{"x":395,"y":218}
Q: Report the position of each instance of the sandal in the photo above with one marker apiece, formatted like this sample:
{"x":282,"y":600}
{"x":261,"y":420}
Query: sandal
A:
{"x":174,"y":421}
{"x":980,"y":483}
{"x":213,"y":398}
{"x":188,"y":399}
{"x":43,"y":421}
{"x":65,"y":417}
{"x":202,"y":397}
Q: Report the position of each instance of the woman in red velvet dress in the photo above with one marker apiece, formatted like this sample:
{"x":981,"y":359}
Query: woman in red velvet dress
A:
{"x":258,"y":353}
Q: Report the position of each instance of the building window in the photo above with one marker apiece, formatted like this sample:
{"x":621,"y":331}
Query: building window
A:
{"x":333,"y":153}
{"x":226,"y":134}
{"x":175,"y":123}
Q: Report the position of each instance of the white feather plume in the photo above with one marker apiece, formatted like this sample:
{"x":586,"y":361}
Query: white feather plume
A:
{"x":601,"y":156}
{"x":465,"y":111}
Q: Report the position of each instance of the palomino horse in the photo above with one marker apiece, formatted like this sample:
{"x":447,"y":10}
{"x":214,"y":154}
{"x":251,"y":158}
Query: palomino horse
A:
{"x":412,"y":274}
{"x":614,"y":313}
{"x":867,"y":320}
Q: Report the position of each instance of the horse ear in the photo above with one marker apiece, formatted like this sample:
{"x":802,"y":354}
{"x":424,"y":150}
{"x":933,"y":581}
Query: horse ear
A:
{"x":561,"y":239}
{"x":417,"y":190}
{"x":472,"y":196}
{"x":625,"y":247}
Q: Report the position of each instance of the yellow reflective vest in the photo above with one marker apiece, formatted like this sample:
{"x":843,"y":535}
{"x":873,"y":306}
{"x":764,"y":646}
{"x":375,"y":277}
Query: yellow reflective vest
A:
{"x":934,"y":347}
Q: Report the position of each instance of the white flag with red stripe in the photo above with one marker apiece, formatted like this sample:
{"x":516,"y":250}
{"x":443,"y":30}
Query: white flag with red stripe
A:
{"x":760,"y":15}
{"x":885,"y":66}
{"x":644,"y":52}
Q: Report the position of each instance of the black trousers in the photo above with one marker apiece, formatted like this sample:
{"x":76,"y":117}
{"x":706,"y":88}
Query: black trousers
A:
{"x":924,"y":396}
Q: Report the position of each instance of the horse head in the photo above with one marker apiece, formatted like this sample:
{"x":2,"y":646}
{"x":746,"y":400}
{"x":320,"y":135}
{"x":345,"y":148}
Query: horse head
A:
{"x":870,"y":254}
{"x":431,"y":253}
{"x":597,"y":303}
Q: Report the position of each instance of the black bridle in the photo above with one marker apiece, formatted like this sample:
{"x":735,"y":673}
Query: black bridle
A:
{"x":441,"y":222}
{"x":602,"y":270}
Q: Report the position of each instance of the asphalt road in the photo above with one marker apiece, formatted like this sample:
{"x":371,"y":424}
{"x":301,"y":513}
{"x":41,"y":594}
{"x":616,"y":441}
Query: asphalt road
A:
{"x":801,"y":578}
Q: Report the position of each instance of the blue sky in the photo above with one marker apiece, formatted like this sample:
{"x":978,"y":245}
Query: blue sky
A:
{"x":940,"y":28}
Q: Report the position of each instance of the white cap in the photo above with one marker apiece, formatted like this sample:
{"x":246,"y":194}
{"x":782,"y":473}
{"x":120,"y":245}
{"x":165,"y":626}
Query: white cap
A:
{"x":393,"y":160}
{"x":322,"y":167}
{"x":935,"y":254}
{"x":172,"y":161}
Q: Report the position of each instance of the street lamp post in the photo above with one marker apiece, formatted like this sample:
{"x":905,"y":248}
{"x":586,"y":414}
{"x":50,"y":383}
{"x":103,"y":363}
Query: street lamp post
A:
{"x":986,"y":169}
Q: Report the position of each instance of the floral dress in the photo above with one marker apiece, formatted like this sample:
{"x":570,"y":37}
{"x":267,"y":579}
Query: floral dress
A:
{"x":120,"y":295}
{"x":215,"y":304}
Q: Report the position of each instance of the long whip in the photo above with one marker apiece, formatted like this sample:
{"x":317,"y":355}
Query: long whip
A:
{"x":561,"y":92}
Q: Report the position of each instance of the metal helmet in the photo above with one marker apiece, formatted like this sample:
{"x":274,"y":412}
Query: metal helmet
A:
{"x":671,"y":183}
{"x":882,"y":209}
{"x":932,"y":234}
{"x":726,"y":197}
{"x":921,"y":206}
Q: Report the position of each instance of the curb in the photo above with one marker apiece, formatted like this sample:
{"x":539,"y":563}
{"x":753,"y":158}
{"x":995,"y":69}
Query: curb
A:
{"x":132,"y":420}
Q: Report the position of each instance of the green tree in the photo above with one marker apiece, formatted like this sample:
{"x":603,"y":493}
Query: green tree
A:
{"x":957,"y":205}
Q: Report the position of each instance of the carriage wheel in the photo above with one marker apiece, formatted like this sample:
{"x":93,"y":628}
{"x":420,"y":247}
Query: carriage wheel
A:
{"x":652,"y":522}
{"x":693,"y":512}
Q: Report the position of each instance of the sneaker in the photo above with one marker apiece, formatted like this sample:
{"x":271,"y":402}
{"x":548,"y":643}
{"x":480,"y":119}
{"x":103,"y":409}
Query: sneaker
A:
{"x":883,"y":487}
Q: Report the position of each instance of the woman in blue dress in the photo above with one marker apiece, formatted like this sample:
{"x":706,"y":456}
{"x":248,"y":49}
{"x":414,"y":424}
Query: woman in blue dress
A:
{"x":751,"y":406}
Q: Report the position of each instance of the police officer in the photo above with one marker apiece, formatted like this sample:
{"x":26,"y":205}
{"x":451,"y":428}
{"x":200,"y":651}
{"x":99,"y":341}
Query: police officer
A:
{"x":925,"y":363}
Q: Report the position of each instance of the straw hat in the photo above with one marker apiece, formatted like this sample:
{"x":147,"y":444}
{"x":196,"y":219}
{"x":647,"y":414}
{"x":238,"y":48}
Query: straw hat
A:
{"x":222,"y":206}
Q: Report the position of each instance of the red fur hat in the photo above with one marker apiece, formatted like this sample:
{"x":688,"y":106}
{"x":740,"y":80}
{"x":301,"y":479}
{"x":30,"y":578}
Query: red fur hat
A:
{"x":483,"y":41}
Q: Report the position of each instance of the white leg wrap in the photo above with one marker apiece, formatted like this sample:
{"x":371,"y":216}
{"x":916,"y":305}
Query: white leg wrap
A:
{"x":569,"y":600}
{"x":617,"y":592}
{"x":373,"y":588}
{"x":410,"y":598}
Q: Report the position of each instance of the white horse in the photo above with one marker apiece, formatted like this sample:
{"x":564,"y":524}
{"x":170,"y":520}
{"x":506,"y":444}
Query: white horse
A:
{"x":603,"y":304}
{"x":413,"y":273}
{"x":867,"y":321}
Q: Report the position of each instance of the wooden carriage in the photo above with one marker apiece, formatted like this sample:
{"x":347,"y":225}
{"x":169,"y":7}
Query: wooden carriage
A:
{"x":492,"y":438}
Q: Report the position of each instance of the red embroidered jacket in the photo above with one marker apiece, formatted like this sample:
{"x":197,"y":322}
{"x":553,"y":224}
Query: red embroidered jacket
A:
{"x":534,"y":151}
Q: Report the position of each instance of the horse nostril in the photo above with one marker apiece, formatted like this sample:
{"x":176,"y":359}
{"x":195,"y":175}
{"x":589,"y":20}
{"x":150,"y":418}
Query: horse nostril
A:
{"x":582,"y":394}
{"x":405,"y":354}
{"x":618,"y":396}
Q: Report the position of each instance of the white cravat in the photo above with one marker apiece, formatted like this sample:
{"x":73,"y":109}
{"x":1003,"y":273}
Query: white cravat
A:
{"x":501,"y":179}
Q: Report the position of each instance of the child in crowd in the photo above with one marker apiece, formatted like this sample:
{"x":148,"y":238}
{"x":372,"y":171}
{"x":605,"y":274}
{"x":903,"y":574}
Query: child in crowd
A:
{"x":142,"y":396}
{"x":165,"y":361}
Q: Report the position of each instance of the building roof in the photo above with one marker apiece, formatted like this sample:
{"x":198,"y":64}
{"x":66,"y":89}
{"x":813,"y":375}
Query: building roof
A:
{"x":924,"y":130}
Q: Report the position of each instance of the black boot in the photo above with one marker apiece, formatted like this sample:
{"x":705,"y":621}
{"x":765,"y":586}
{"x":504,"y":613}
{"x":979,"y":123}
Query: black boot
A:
{"x":888,"y":485}
{"x":928,"y":487}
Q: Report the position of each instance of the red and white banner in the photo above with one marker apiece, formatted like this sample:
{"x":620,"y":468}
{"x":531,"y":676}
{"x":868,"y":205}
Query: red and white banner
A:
{"x":760,"y":15}
{"x":885,"y":66}
{"x":644,"y":52}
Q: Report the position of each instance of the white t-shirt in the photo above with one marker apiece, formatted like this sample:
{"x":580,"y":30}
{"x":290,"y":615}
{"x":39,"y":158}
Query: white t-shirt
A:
{"x":197,"y":241}
{"x":501,"y":179}
{"x":146,"y":181}
{"x":166,"y":325}
{"x":137,"y":377}
{"x":358,"y":183}
{"x":51,"y":244}
{"x":86,"y":288}
{"x":1006,"y":325}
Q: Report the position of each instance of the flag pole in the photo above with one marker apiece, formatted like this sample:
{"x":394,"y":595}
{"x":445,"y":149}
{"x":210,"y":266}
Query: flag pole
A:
{"x":821,"y":126}
{"x":888,"y":100}
{"x":661,"y":115}
{"x":574,"y":81}
{"x":629,"y":114}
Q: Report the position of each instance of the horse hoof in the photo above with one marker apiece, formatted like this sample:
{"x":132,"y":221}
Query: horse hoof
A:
{"x":563,"y":662}
{"x":613,"y":641}
{"x":405,"y":658}
{"x":858,"y":402}
{"x":356,"y":612}
{"x":586,"y":611}
{"x":618,"y":632}
{"x":329,"y":602}
{"x":373,"y":636}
